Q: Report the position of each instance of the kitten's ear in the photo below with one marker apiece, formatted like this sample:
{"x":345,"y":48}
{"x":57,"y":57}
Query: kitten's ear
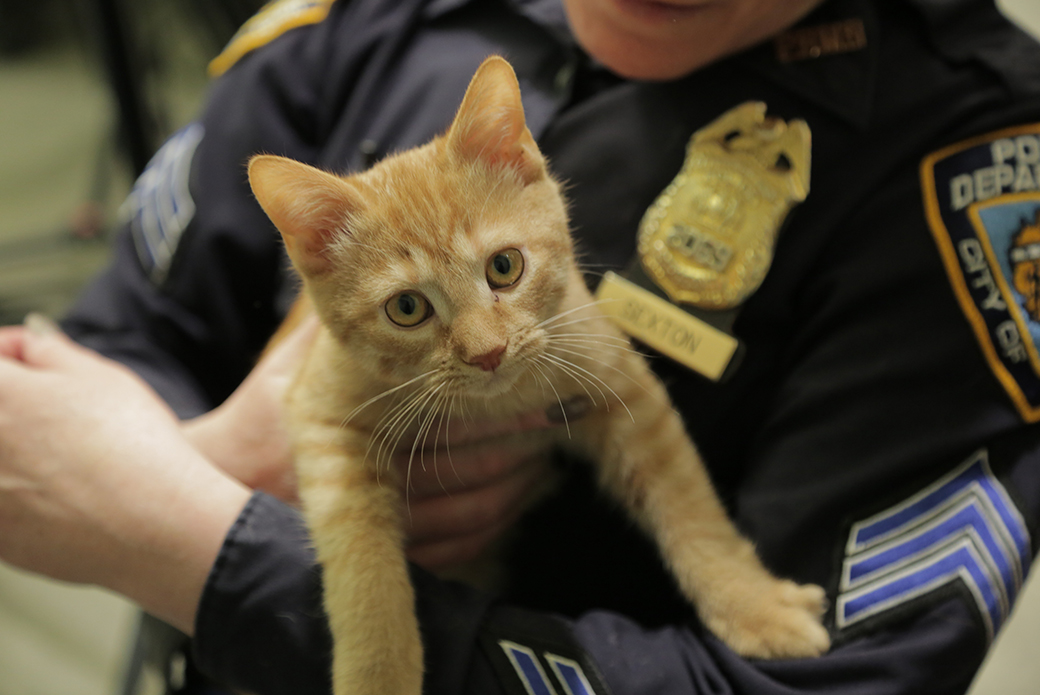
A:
{"x":308,"y":206}
{"x":490,"y":123}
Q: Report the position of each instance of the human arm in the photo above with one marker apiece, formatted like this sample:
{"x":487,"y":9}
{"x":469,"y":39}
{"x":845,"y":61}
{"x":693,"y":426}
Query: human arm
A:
{"x":769,"y":455}
{"x":478,"y":481}
{"x":197,"y":276}
{"x":98,"y":485}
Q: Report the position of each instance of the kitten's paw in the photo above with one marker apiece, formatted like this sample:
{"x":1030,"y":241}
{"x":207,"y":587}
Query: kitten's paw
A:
{"x":778,"y":621}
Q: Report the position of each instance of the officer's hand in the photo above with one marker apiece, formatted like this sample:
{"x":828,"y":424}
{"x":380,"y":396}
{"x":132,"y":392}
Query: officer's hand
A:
{"x":246,"y":435}
{"x":471,"y":483}
{"x":97,"y":485}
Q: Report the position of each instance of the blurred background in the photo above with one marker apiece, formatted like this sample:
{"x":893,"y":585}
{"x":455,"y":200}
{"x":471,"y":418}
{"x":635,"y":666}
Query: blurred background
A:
{"x":88,"y":90}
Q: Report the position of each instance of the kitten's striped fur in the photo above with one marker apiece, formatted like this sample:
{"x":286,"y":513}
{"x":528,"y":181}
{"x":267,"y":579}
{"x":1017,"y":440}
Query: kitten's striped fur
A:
{"x":429,"y":221}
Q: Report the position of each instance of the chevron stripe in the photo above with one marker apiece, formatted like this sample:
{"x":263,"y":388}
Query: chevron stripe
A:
{"x":964,"y":527}
{"x":530,"y":671}
{"x":570,"y":675}
{"x":160,"y":206}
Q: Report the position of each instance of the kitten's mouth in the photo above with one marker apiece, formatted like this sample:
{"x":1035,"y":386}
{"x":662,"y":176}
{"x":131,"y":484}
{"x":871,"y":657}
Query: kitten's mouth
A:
{"x":504,"y":378}
{"x":496,"y":382}
{"x":491,"y":384}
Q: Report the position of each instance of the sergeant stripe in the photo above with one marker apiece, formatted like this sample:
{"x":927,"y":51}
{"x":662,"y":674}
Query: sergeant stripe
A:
{"x":160,"y":206}
{"x":962,"y":527}
{"x":531,"y":673}
{"x":570,"y":675}
{"x":958,"y":562}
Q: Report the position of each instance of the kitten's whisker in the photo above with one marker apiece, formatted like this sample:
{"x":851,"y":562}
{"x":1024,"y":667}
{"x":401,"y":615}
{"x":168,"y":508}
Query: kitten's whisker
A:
{"x":413,"y":416}
{"x":601,"y":336}
{"x":384,"y":394}
{"x":466,"y":415}
{"x":400,"y":401}
{"x":574,"y":375}
{"x":559,"y":400}
{"x":594,"y":377}
{"x":556,"y":317}
{"x":396,"y":428}
{"x":605,"y":350}
{"x":540,"y":382}
{"x":417,"y":415}
{"x":392,"y":415}
{"x":439,"y":409}
{"x":384,"y":426}
{"x":594,"y":344}
{"x":611,"y":367}
{"x":447,"y":444}
{"x":435,"y":408}
{"x":424,"y":430}
{"x":443,"y":423}
{"x":383,"y":436}
{"x":423,"y":433}
{"x":572,"y":322}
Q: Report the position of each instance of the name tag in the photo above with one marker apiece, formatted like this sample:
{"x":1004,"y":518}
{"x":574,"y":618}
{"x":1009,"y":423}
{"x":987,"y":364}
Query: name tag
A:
{"x":666,"y":328}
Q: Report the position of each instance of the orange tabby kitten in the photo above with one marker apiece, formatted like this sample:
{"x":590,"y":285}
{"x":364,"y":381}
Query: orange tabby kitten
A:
{"x":445,"y":280}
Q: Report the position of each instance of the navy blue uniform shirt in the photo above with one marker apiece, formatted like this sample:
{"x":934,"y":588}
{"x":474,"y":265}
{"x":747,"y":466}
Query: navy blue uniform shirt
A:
{"x":879,"y":437}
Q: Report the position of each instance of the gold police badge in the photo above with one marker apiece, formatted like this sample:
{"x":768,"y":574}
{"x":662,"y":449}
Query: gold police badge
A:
{"x":708,"y":238}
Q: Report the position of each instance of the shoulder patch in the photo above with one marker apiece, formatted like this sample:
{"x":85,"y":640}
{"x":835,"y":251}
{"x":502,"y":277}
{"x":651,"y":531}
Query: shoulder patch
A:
{"x":160,"y":205}
{"x":982,"y":200}
{"x":961,"y":531}
{"x":274,"y":19}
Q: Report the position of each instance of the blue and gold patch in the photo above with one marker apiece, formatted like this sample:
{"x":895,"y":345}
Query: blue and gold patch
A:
{"x":982,"y":199}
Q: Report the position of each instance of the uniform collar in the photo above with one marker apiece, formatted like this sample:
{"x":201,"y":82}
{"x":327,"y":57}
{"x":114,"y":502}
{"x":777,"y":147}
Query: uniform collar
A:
{"x":548,"y":14}
{"x":843,"y":81}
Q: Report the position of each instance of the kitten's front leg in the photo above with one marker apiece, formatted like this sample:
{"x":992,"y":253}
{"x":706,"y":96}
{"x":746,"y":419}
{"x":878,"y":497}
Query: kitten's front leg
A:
{"x":355,"y":524}
{"x":648,"y":462}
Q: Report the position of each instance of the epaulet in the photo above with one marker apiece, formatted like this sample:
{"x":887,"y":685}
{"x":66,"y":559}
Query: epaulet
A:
{"x":274,"y":19}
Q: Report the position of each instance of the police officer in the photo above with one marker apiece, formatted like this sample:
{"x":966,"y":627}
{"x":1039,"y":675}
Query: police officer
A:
{"x":873,"y":431}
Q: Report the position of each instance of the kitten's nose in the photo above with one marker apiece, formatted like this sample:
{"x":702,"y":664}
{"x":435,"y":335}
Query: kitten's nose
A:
{"x":489,"y":361}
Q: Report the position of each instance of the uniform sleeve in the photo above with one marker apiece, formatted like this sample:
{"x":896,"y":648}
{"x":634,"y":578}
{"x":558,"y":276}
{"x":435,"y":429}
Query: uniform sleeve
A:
{"x":260,"y":625}
{"x":871,"y":451}
{"x":189,"y":298}
{"x":887,"y":464}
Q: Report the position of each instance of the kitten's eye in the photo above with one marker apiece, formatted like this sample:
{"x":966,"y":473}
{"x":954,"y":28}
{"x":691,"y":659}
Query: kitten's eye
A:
{"x":408,"y":309}
{"x":505,"y":268}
